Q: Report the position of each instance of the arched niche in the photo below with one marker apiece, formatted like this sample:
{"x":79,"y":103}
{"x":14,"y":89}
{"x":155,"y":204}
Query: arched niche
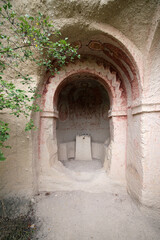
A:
{"x":109,"y":83}
{"x":83,"y":129}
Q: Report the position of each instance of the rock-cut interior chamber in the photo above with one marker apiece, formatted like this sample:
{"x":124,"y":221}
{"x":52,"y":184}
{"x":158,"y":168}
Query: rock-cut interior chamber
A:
{"x":83,"y":132}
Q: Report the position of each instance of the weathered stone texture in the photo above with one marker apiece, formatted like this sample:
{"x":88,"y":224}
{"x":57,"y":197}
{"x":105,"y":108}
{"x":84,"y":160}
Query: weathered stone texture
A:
{"x":119,"y":42}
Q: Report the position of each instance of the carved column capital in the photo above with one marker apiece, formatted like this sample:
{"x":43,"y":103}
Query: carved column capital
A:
{"x":145,"y":108}
{"x":117,"y":113}
{"x":50,"y":114}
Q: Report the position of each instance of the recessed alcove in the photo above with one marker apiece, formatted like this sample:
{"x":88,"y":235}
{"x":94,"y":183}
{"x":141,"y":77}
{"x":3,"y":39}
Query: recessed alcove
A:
{"x":83,"y":131}
{"x":83,"y":126}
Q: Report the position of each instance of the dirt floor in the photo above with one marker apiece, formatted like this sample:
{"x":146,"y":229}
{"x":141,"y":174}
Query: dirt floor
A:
{"x":19,"y":228}
{"x":80,"y":166}
{"x":91,"y":215}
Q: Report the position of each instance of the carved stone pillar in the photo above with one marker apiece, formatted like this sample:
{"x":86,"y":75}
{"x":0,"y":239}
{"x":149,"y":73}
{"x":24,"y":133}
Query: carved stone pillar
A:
{"x":48,"y":140}
{"x":118,"y":124}
{"x":143,"y":156}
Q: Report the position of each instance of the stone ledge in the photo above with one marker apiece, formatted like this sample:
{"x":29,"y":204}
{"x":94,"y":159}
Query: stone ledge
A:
{"x":117,"y":113}
{"x":145,"y":108}
{"x":49,"y":114}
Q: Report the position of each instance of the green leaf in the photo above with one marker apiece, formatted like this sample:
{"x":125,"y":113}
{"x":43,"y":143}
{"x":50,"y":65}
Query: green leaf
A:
{"x":27,"y":39}
{"x":2,"y":157}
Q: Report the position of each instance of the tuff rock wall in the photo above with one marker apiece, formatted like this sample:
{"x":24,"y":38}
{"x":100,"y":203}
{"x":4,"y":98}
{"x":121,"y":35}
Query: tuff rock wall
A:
{"x":129,"y":33}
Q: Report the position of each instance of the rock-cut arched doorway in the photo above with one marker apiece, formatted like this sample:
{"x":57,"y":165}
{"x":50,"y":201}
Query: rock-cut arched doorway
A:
{"x":83,"y":119}
{"x":82,"y":129}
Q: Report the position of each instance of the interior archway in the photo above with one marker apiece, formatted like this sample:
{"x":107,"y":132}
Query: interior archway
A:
{"x":83,"y":131}
{"x":104,"y":78}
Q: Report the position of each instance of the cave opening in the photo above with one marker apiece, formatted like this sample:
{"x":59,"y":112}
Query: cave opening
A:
{"x":83,"y":129}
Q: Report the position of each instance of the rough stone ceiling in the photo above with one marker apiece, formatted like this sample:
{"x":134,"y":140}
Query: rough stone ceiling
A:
{"x":134,"y":18}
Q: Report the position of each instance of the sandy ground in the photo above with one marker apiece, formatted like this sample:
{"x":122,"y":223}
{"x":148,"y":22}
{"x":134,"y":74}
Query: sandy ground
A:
{"x":80,"y":166}
{"x":86,"y":215}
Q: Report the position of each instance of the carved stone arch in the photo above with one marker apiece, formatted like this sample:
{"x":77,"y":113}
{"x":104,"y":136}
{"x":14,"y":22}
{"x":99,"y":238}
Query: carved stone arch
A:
{"x":128,"y":50}
{"x":115,"y":156}
{"x":109,"y":79}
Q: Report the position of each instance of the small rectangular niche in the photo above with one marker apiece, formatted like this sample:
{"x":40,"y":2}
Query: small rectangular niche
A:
{"x":83,"y":148}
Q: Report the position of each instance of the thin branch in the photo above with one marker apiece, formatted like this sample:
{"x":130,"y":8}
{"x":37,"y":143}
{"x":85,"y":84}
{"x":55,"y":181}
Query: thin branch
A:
{"x":18,"y":48}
